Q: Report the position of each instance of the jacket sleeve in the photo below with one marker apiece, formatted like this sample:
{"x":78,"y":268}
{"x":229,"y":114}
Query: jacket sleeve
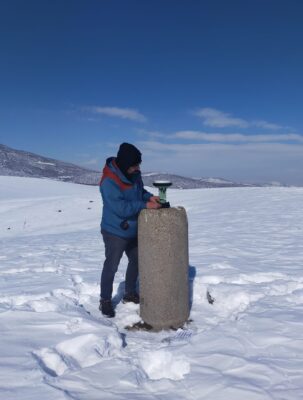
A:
{"x":113,"y":198}
{"x":146,"y":195}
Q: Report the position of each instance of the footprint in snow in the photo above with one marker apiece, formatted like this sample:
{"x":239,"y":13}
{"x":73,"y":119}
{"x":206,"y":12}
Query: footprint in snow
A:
{"x":78,"y":352}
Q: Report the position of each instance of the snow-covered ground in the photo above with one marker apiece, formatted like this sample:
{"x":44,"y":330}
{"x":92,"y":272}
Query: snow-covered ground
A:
{"x":246,"y":248}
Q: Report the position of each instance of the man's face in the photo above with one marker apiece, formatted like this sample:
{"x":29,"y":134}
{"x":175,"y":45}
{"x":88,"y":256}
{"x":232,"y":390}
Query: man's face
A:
{"x":133,"y":169}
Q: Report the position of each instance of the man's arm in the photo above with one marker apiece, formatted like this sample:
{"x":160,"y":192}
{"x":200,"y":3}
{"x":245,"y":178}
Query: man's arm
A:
{"x":113,"y":198}
{"x":146,"y":195}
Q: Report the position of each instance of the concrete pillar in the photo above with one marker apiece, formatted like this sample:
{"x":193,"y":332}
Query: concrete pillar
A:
{"x":163,"y":267}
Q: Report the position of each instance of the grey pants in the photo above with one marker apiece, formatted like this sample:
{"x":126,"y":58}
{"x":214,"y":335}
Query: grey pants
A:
{"x":114,"y":248}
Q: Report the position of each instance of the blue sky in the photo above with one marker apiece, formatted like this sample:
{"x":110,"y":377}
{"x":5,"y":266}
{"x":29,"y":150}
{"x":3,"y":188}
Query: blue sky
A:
{"x":203,"y":88}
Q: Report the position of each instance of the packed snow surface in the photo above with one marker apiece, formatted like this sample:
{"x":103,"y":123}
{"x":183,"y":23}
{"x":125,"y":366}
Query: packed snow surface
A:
{"x":245,"y":249}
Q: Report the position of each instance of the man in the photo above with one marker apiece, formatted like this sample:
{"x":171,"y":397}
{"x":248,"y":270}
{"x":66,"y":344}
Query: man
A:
{"x":123,"y":198}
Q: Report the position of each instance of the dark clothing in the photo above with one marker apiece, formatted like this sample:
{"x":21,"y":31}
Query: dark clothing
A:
{"x":114,"y":249}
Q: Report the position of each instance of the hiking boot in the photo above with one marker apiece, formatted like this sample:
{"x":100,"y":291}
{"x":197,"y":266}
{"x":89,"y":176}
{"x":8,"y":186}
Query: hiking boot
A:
{"x":106,"y":308}
{"x":131,"y":298}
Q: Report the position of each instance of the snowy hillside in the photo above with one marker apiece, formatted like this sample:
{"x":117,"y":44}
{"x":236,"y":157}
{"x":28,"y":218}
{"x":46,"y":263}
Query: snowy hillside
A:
{"x":22,"y":163}
{"x":246,"y":248}
{"x":181,"y":182}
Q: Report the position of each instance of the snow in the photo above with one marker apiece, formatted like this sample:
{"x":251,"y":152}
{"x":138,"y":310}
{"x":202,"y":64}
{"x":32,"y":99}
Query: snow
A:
{"x":216,"y":180}
{"x":162,"y":364}
{"x":150,"y":173}
{"x":45,"y":163}
{"x":246,"y":250}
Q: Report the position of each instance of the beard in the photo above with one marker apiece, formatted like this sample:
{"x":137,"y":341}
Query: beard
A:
{"x":133,"y":176}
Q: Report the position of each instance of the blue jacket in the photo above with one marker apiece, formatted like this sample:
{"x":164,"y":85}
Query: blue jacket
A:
{"x":122,"y":201}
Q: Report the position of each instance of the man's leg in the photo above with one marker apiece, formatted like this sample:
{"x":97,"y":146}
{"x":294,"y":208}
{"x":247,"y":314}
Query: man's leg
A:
{"x":132,"y":268}
{"x":114,"y":248}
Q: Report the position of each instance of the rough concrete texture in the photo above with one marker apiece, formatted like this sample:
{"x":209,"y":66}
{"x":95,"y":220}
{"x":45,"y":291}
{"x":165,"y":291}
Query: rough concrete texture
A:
{"x":163,"y":267}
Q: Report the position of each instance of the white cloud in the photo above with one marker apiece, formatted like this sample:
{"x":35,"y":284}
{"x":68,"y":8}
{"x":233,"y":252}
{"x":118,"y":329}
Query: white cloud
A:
{"x":196,"y":147}
{"x":125,"y":113}
{"x":219,"y":119}
{"x":225,"y":137}
{"x":266,"y":125}
{"x":247,"y":162}
{"x":236,"y":137}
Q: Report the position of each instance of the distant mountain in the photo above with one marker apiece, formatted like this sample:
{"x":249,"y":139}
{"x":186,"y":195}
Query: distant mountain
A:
{"x":181,"y":182}
{"x":22,"y":163}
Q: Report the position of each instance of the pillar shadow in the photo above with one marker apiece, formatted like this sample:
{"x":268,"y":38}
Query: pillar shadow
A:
{"x":191,"y":278}
{"x":120,"y":293}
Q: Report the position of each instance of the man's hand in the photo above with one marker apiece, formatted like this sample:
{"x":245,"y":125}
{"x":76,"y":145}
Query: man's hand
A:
{"x":155,"y":199}
{"x":153,"y":205}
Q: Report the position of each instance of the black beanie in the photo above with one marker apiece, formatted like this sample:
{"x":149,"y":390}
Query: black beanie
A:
{"x":127,"y":156}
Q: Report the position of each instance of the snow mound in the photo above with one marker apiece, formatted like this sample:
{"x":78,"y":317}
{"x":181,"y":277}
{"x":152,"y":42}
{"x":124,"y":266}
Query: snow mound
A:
{"x":162,"y":364}
{"x":79,"y":352}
